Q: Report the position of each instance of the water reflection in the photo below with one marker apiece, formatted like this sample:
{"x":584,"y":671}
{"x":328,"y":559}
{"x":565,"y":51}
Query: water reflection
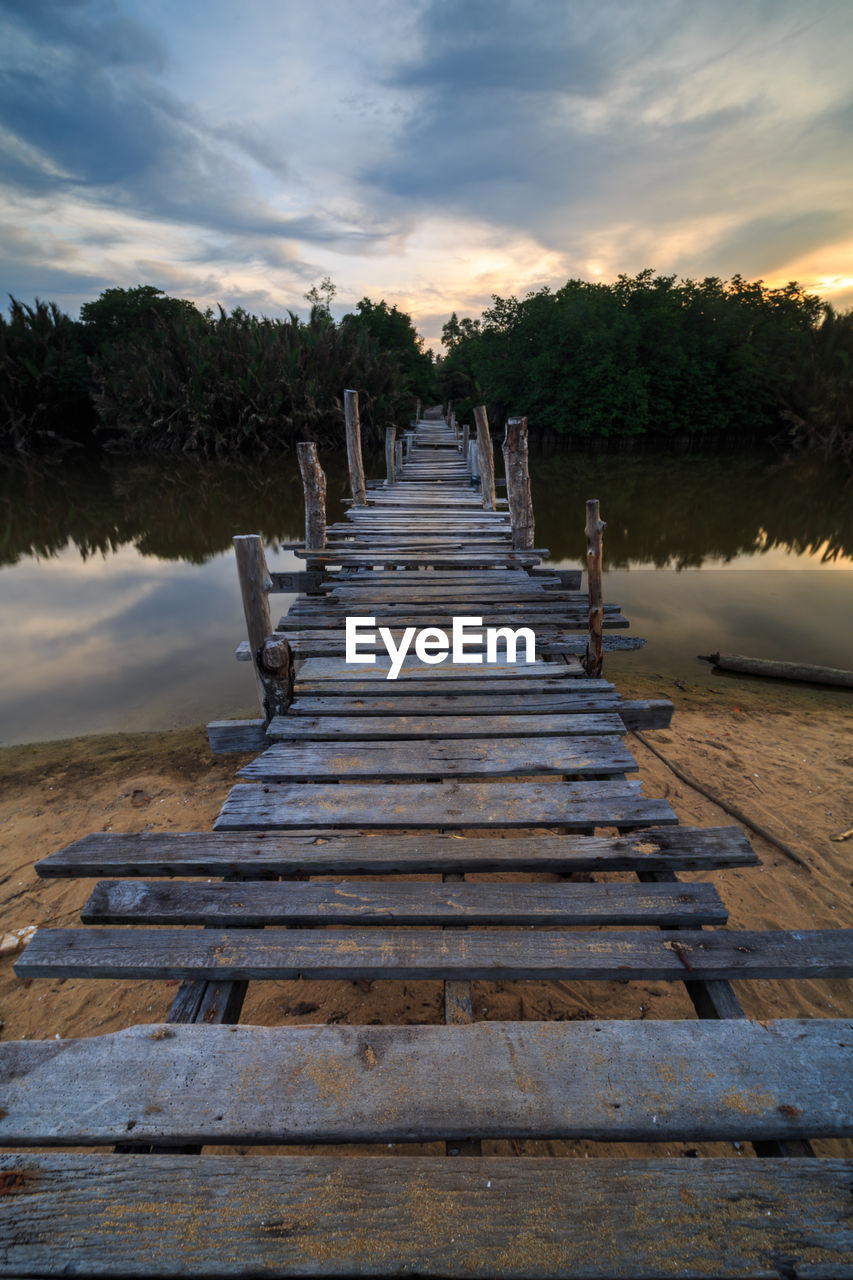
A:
{"x":680,"y":512}
{"x":660,"y":510}
{"x":120,"y":610}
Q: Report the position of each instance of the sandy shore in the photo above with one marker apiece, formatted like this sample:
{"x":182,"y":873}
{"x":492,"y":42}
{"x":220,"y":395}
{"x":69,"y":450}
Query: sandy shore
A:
{"x":782,"y":754}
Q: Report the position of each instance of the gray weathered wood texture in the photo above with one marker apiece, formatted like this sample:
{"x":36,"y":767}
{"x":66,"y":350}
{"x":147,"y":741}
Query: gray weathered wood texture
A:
{"x":209,"y":1216}
{"x":601,"y":756}
{"x":617,"y":1081}
{"x":350,"y":902}
{"x":571,"y":805}
{"x":330,"y":852}
{"x":415,"y":728}
{"x":487,"y":953}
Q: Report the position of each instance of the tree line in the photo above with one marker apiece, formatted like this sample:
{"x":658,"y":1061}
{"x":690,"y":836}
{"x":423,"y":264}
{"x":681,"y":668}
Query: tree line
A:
{"x":653,"y":356}
{"x":146,"y":371}
{"x":644,"y":356}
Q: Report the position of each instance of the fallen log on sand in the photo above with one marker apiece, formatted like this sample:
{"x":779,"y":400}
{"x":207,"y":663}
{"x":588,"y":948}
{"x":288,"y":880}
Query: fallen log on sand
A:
{"x":780,"y":670}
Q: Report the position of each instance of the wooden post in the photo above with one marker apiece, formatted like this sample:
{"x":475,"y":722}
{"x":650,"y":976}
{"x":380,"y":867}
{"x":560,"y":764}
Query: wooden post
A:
{"x":390,"y":437}
{"x":356,"y":467}
{"x":595,"y":527}
{"x":466,"y":431}
{"x":473,"y":466}
{"x":485,"y":458}
{"x":417,"y":412}
{"x":398,"y":456}
{"x":518,"y":482}
{"x":270,"y":654}
{"x":314,"y":486}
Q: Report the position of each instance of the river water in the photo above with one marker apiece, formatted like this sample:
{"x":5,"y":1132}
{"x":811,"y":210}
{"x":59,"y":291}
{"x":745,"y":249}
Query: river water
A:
{"x":120,"y":610}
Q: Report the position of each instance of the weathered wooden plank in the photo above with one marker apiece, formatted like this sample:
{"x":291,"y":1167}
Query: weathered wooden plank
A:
{"x":209,"y":853}
{"x":600,"y":756}
{"x":332,"y":728}
{"x":258,"y":903}
{"x":409,"y":954}
{"x":335,"y":669}
{"x":442,"y":702}
{"x":330,"y":642}
{"x":236,"y":735}
{"x":210,"y":1216}
{"x":654,"y":713}
{"x":402,"y":556}
{"x":617,"y":1081}
{"x":574,"y":806}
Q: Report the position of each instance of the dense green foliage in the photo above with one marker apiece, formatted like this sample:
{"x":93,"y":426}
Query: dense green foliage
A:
{"x":144,"y":370}
{"x":649,"y":355}
{"x":646,"y":355}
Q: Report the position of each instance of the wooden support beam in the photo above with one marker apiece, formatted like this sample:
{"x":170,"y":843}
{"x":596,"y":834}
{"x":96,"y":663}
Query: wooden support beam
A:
{"x":518,"y":482}
{"x":358,"y":489}
{"x":390,"y":449}
{"x":314,"y":488}
{"x":595,"y":527}
{"x":485,"y":458}
{"x":272,"y":664}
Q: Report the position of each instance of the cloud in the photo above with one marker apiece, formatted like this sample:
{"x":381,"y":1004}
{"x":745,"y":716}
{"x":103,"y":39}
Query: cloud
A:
{"x":83,"y":112}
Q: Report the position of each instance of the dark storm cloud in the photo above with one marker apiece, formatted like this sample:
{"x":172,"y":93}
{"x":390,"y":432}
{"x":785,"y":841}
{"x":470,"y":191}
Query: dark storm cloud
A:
{"x":555,"y":118}
{"x":79,"y":92}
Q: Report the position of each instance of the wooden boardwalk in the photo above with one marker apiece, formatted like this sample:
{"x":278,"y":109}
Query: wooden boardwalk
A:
{"x":453,"y":768}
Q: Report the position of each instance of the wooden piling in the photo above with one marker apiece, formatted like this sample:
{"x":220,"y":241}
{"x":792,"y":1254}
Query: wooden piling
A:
{"x":466,"y":431}
{"x":271,"y":657}
{"x":473,"y":464}
{"x":314,"y":487}
{"x":358,"y":488}
{"x":518,"y":482}
{"x":390,"y":440}
{"x":417,"y":412}
{"x":485,"y":458}
{"x":595,"y":527}
{"x":398,"y":455}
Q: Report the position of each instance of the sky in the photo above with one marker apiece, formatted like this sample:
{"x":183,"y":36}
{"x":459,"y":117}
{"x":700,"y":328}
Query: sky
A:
{"x":429,"y":152}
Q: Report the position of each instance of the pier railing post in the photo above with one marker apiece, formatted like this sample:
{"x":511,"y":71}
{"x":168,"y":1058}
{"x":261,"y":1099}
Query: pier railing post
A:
{"x":518,"y":482}
{"x":390,"y":438}
{"x":485,"y":458}
{"x":271,"y":658}
{"x":314,"y":487}
{"x":417,"y":413}
{"x":466,"y":431}
{"x":358,"y":488}
{"x":473,"y":462}
{"x":398,"y":455}
{"x":595,"y":526}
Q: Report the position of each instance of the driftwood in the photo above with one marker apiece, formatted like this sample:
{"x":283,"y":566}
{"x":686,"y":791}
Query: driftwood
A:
{"x":800,"y":671}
